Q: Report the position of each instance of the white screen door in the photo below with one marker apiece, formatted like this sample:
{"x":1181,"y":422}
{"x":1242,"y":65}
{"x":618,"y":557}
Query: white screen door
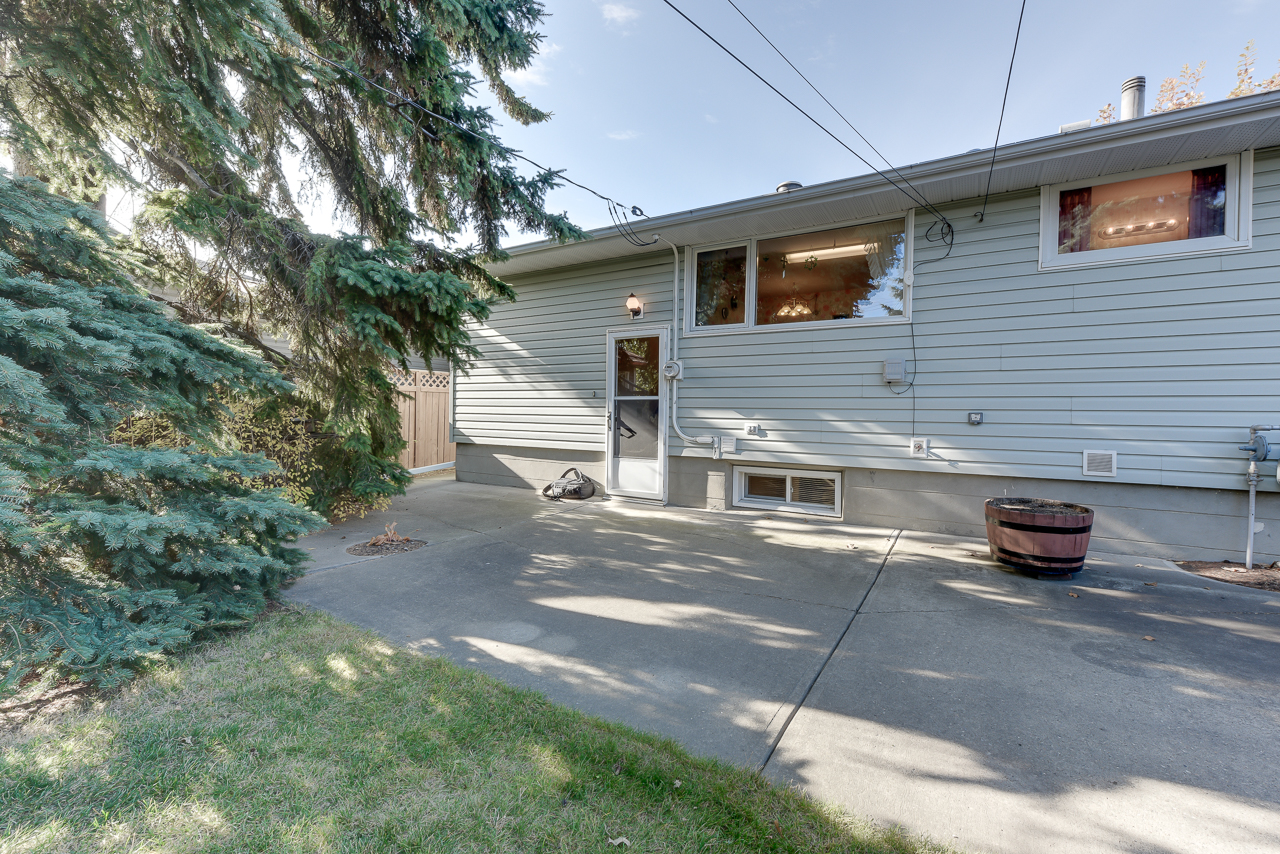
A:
{"x":637,"y":414}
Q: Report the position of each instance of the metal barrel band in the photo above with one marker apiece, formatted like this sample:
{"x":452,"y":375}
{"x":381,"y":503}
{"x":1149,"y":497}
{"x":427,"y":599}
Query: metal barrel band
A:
{"x":1038,"y":558}
{"x":1038,"y":529}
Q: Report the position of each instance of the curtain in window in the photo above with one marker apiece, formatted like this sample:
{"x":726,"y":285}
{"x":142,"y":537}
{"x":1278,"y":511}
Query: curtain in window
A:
{"x":1074,"y":208}
{"x":1208,"y":214}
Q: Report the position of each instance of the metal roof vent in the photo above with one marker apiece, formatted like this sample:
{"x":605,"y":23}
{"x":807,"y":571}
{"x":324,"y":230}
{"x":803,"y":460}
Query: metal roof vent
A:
{"x":1133,"y":98}
{"x":788,"y":186}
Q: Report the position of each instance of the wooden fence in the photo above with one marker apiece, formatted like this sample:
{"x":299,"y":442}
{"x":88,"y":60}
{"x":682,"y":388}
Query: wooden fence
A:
{"x":424,"y":418}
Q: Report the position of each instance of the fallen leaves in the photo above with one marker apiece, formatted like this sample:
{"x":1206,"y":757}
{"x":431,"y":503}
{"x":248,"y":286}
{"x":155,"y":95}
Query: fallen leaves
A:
{"x":1150,"y":583}
{"x":1148,"y":637}
{"x":1073,"y":595}
{"x":268,"y":656}
{"x":621,"y":840}
{"x":389,"y":538}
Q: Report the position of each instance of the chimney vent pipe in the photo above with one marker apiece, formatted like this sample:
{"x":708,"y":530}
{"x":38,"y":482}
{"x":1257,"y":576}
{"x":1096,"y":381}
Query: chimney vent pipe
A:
{"x":1133,"y":98}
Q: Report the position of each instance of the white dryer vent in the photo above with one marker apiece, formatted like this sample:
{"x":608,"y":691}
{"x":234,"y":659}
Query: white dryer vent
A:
{"x":1100,"y":463}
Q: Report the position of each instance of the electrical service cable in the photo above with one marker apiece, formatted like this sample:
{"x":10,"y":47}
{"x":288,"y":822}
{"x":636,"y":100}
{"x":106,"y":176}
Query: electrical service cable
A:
{"x":919,"y":196}
{"x":617,"y":211}
{"x":983,"y":215}
{"x":946,"y":225}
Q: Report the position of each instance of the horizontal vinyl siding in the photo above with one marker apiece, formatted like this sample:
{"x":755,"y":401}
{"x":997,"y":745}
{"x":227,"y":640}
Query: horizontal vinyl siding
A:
{"x":1165,"y":361}
{"x":543,"y":356}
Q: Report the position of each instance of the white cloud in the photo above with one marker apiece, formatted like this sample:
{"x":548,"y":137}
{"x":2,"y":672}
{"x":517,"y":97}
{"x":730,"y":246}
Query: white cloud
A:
{"x":536,"y":73}
{"x":622,"y":135}
{"x":711,"y":120}
{"x":618,"y":14}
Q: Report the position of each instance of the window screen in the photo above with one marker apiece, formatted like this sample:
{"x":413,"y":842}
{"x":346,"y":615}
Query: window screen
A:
{"x":814,"y":490}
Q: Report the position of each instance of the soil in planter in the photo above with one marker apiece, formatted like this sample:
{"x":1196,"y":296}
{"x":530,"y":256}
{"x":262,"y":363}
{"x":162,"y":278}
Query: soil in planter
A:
{"x":1041,"y":505}
{"x":1261,"y":577}
{"x":366,"y":550}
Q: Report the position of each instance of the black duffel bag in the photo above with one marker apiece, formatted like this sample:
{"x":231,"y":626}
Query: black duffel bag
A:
{"x":566,"y":486}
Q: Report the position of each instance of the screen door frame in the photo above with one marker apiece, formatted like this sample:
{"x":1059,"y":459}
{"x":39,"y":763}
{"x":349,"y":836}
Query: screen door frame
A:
{"x":612,"y":336}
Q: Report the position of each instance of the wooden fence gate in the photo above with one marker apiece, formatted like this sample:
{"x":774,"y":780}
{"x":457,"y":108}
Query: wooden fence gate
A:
{"x":424,"y":418}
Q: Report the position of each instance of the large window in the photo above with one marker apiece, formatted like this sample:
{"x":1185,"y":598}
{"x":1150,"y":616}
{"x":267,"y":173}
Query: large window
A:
{"x":1192,"y":208}
{"x":854,"y":274}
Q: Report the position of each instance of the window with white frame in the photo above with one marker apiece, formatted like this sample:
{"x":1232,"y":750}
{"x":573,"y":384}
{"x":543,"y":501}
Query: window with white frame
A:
{"x":1173,"y":210}
{"x":788,"y":490}
{"x":852,"y":274}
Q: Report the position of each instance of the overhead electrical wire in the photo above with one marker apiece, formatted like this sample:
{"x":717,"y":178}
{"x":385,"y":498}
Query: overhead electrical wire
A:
{"x":617,"y":210}
{"x":919,"y":196}
{"x":947,"y":227}
{"x":1018,"y":34}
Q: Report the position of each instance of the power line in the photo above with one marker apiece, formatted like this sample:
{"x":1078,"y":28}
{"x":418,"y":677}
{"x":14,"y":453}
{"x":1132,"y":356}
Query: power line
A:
{"x":617,"y":210}
{"x":983,"y":214}
{"x":946,"y":224}
{"x":919,"y":195}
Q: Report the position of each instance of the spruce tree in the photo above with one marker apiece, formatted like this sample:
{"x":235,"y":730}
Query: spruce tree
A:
{"x":199,"y":105}
{"x":111,"y":553}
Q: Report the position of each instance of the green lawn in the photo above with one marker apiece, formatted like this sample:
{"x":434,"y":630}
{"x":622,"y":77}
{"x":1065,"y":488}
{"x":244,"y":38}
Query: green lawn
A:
{"x":305,"y":733}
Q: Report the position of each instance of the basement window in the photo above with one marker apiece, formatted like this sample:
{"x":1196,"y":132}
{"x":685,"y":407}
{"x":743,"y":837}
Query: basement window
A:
{"x":787,"y":490}
{"x":1173,"y":210}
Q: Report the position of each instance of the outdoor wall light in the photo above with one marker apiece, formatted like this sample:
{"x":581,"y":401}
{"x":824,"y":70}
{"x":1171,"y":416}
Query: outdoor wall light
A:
{"x":635,"y":307}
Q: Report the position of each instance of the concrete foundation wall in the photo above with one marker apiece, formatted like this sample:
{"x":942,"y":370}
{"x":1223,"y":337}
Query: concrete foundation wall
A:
{"x":503,"y":465}
{"x":1177,"y":523}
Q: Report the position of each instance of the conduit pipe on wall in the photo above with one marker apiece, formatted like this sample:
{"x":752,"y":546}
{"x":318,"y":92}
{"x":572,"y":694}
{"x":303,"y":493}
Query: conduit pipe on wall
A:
{"x":675,"y":352}
{"x":1258,"y":449}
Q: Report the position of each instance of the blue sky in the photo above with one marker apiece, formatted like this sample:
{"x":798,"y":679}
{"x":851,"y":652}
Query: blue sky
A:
{"x":649,"y":112}
{"x":646,"y":110}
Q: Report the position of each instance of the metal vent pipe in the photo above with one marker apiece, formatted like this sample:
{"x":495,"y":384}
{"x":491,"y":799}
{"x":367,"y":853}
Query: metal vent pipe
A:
{"x":1133,"y":98}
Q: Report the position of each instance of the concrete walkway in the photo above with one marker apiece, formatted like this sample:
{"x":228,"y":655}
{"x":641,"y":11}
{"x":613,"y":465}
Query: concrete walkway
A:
{"x":992,"y":711}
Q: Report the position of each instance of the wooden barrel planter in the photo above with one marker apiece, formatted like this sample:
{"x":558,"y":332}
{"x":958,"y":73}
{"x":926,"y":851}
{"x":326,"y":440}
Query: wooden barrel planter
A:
{"x":1033,"y":534}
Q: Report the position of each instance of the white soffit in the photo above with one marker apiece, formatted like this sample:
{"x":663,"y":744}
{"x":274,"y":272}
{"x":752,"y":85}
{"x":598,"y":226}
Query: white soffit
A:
{"x":1223,"y":127}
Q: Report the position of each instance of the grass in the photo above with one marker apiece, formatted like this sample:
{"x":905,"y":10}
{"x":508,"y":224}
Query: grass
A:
{"x":305,"y":733}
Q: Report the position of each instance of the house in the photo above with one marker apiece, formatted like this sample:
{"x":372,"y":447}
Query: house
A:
{"x":1106,"y":334}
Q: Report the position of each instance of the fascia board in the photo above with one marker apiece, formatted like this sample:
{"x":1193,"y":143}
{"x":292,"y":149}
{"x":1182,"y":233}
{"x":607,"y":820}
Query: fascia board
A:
{"x":1263,"y":108}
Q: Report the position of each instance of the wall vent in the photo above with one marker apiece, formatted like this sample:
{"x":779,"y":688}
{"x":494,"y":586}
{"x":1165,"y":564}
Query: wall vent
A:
{"x":788,"y":490}
{"x":1100,"y":463}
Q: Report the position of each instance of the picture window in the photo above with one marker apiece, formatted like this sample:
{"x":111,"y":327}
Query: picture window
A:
{"x":853,"y":274}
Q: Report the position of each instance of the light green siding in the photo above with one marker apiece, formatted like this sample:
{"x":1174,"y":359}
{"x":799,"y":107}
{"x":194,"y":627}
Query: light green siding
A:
{"x":1166,"y":361}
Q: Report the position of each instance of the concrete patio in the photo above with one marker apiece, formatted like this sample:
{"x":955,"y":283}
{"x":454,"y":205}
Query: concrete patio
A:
{"x":993,"y":711}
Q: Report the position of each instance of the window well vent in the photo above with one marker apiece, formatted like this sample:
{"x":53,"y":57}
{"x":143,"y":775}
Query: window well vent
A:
{"x":1100,"y":463}
{"x":789,"y":490}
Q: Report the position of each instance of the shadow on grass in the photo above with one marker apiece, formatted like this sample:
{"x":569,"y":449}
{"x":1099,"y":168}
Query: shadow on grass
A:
{"x":305,"y":733}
